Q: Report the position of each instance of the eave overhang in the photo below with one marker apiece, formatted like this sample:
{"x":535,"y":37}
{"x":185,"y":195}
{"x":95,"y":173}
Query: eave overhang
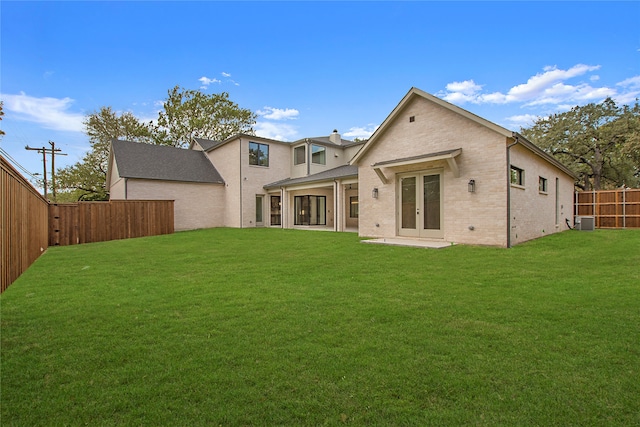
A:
{"x":448,"y":155}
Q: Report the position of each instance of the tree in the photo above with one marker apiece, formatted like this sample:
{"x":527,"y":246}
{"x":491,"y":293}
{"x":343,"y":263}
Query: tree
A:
{"x":86,"y":180}
{"x":190,"y":113}
{"x":186,"y":113}
{"x":599,"y":142}
{"x":1,"y":114}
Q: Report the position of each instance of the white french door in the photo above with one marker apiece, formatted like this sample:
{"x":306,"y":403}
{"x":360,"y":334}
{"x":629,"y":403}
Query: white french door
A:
{"x":420,"y":205}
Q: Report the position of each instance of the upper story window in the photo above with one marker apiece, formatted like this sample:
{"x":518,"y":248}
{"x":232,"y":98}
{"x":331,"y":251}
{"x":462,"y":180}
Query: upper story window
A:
{"x":318,"y":155}
{"x":258,"y":154}
{"x":542,"y":184}
{"x":517,"y":176}
{"x":299,"y":155}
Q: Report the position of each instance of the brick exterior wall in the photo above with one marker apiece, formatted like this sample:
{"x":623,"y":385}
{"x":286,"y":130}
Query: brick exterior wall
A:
{"x":196,"y":205}
{"x":533,"y":213}
{"x":471,"y":218}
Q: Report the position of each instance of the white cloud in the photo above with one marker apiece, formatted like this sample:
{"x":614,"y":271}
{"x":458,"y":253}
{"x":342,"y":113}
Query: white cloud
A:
{"x":206,"y":81}
{"x":362,"y":132}
{"x":271,"y":113}
{"x":631,"y":90}
{"x":632,"y":82}
{"x":551,"y":86}
{"x":225,"y":74}
{"x":279,"y":131}
{"x":51,"y":113}
{"x":523,"y":120}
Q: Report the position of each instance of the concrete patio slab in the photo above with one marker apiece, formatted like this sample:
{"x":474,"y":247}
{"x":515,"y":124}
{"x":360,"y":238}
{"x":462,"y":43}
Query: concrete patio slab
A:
{"x":416,"y":243}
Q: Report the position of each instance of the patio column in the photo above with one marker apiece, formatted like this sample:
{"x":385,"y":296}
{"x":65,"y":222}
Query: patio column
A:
{"x":339,"y":206}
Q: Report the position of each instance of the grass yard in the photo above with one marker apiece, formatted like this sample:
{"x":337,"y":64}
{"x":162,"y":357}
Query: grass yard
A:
{"x":295,"y":328}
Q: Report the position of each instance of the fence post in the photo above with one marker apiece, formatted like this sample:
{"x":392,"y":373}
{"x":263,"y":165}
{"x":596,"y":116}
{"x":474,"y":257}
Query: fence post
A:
{"x":624,"y":207}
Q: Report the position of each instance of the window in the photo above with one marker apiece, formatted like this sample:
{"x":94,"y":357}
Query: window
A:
{"x":353,"y":207}
{"x":542,"y":184}
{"x":310,"y":210}
{"x":318,"y":155}
{"x":517,"y":176}
{"x":299,"y":155}
{"x":258,"y":154}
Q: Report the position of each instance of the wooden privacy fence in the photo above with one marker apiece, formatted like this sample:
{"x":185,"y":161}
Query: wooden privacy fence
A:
{"x":611,"y":208}
{"x":30,"y":224}
{"x":88,"y":222}
{"x":24,"y":224}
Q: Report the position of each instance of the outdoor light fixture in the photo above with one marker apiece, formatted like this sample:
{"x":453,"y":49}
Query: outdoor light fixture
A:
{"x":472,"y":186}
{"x":374,"y":193}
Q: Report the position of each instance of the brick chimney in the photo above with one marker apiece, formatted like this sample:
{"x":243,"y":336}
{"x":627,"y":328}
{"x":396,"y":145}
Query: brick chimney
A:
{"x":335,"y":137}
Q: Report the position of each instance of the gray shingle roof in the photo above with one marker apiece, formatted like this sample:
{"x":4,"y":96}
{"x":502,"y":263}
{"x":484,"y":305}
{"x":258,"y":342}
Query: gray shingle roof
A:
{"x":147,"y":161}
{"x":207,"y":144}
{"x":329,"y":175}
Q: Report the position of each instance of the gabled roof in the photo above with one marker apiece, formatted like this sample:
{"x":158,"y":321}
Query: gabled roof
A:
{"x":325,"y":140}
{"x":207,"y":144}
{"x":412,"y":94}
{"x":147,"y":161}
{"x":344,"y":171}
{"x":415,"y":92}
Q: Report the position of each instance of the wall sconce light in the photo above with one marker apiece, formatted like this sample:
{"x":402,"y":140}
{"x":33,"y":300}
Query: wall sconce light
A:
{"x":472,"y":186}
{"x":374,"y":193}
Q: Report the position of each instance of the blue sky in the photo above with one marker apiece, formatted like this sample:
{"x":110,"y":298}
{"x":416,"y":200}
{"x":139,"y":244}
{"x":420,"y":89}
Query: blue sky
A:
{"x":306,"y":67}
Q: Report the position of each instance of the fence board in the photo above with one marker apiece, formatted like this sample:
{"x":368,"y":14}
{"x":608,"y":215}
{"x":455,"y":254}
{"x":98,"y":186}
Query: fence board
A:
{"x":24,"y":224}
{"x":89,"y":222}
{"x":611,"y":208}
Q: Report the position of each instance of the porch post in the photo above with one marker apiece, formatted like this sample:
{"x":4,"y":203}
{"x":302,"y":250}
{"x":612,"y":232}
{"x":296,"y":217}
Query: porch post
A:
{"x":337,"y":206}
{"x":284,"y":207}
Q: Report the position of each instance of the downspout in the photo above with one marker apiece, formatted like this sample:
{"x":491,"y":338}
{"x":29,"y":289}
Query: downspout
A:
{"x":241,"y":194}
{"x":509,"y":190}
{"x":308,"y":151}
{"x":125,"y":188}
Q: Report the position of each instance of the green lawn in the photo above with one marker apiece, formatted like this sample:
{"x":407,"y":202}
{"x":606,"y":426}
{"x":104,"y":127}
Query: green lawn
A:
{"x":282,"y":327}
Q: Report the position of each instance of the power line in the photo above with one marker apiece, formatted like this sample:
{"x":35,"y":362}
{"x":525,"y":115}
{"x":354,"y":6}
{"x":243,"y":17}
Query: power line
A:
{"x":16,"y":163}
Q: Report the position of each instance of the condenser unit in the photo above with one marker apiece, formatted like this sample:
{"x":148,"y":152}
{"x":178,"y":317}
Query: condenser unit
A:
{"x":585,"y":223}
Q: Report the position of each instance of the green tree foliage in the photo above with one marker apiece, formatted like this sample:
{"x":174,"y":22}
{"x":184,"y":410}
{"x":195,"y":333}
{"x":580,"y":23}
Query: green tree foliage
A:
{"x":186,"y":113}
{"x":190,"y":113}
{"x":599,"y":142}
{"x":86,"y":180}
{"x":1,"y":114}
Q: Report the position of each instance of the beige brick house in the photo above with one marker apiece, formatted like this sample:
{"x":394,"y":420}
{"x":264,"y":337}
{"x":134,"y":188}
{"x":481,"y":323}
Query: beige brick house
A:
{"x":244,"y":181}
{"x":434,"y":170}
{"x":430,"y":171}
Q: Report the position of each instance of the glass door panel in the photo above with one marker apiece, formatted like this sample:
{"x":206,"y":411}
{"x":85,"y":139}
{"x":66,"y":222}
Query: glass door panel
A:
{"x":259,"y":210}
{"x":420,"y":205}
{"x":431,"y":201}
{"x":408,"y":203}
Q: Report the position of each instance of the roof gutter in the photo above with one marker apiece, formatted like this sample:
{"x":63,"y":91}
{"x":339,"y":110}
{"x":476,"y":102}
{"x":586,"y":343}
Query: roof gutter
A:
{"x":516,"y":141}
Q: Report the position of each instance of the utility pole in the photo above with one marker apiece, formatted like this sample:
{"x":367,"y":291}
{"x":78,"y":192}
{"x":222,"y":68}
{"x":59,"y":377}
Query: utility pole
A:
{"x":44,"y":151}
{"x":54,"y":150}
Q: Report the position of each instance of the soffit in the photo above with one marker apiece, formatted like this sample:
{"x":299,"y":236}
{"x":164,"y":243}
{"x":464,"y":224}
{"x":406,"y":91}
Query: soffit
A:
{"x":448,"y":155}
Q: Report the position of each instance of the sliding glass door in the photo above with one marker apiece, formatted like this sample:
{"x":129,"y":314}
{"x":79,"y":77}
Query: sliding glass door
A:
{"x":310,"y":210}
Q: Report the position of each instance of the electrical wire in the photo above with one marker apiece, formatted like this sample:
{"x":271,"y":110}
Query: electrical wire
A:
{"x":16,"y":163}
